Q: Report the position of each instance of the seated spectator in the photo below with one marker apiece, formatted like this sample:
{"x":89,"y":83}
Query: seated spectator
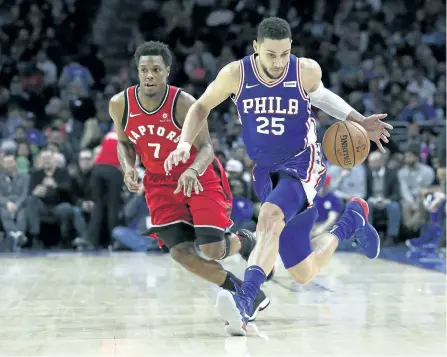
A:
{"x":413,"y":178}
{"x":235,"y":169}
{"x":383,"y":195}
{"x":13,"y":193}
{"x":423,"y":86}
{"x":418,"y":110}
{"x":24,"y":157}
{"x":74,"y":71}
{"x":396,"y":161}
{"x":82,"y":191}
{"x":329,"y":208}
{"x":50,"y":197}
{"x":200,"y":66}
{"x":136,"y":216}
{"x":428,"y":145}
{"x":434,"y":199}
{"x":347,"y":184}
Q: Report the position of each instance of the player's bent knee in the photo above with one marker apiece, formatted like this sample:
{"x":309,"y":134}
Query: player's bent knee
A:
{"x":213,"y":242}
{"x":213,"y":250}
{"x":270,"y":214}
{"x":305,"y":271}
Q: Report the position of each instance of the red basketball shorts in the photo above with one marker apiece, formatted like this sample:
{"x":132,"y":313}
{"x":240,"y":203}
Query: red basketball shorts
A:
{"x":211,"y":208}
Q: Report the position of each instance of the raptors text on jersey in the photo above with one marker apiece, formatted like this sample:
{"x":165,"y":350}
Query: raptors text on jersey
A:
{"x":155,"y":133}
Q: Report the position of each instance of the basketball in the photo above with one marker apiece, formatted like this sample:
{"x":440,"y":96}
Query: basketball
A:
{"x":346,"y":144}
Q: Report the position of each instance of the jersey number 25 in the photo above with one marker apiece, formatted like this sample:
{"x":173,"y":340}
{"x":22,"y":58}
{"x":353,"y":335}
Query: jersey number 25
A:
{"x":268,"y":126}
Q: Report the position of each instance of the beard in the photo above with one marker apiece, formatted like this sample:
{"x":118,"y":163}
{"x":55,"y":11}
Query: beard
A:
{"x":268,"y":74}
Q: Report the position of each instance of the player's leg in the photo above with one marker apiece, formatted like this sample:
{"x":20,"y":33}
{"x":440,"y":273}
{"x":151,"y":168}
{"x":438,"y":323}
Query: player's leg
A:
{"x":211,"y":211}
{"x":283,"y":198}
{"x":211,"y":215}
{"x":301,"y":256}
{"x":172,"y":221}
{"x":180,"y":240}
{"x":283,"y":203}
{"x":311,"y":255}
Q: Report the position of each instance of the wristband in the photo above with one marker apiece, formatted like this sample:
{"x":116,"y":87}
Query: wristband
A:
{"x":184,"y":145}
{"x":193,"y":169}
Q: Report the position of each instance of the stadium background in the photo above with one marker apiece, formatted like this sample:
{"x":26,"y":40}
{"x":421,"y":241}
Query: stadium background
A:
{"x":61,"y":61}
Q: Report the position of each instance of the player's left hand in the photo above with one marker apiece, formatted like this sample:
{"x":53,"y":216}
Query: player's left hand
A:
{"x":189,"y":180}
{"x":377,"y":129}
{"x":178,"y":155}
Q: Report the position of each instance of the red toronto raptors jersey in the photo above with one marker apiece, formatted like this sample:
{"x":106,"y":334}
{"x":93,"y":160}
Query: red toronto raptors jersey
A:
{"x":155,"y":133}
{"x":109,"y":150}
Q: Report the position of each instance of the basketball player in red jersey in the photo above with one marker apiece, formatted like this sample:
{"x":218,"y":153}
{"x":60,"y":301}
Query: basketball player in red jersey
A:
{"x":148,"y":119}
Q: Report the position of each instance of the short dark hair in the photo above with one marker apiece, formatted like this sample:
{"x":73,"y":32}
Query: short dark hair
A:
{"x":273,"y":28}
{"x":154,"y":48}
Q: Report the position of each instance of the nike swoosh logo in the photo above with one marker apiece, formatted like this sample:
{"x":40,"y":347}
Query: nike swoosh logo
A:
{"x":248,"y":87}
{"x":134,"y":115}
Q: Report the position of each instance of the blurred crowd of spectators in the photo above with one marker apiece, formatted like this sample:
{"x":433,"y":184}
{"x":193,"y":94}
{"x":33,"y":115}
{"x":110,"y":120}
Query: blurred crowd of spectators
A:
{"x":380,"y":55}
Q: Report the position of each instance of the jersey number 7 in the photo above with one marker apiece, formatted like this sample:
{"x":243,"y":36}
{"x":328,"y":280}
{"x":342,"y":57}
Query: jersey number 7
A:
{"x":267,"y":126}
{"x":156,"y":150}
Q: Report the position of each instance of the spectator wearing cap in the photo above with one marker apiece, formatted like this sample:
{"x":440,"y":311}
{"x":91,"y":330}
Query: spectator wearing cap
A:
{"x":383,"y":195}
{"x":413,"y":178}
{"x":235,"y":169}
{"x":329,"y":208}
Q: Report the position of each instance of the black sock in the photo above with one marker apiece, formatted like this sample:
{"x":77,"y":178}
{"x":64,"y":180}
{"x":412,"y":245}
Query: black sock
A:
{"x":229,"y":282}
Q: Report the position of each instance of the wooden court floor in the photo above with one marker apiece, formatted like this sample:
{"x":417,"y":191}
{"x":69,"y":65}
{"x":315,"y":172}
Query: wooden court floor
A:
{"x":132,"y":305}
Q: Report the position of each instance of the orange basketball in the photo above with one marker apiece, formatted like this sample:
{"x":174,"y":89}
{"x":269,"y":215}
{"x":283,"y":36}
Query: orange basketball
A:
{"x":346,"y":144}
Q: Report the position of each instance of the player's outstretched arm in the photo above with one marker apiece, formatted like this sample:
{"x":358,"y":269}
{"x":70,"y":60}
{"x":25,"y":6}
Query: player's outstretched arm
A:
{"x":202,"y":142}
{"x":335,"y":106}
{"x":126,"y":151}
{"x":226,"y":83}
{"x":189,"y":180}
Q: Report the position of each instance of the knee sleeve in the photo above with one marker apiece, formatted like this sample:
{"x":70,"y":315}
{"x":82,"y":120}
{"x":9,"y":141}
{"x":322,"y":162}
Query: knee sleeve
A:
{"x":294,"y":242}
{"x":209,"y":235}
{"x":206,"y":235}
{"x":174,"y":234}
{"x":227,"y":238}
